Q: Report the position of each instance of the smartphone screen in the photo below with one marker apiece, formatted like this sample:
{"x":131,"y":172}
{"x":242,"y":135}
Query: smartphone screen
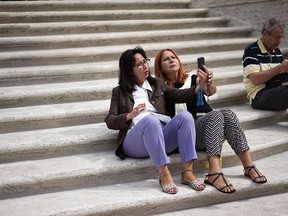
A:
{"x":200,"y":63}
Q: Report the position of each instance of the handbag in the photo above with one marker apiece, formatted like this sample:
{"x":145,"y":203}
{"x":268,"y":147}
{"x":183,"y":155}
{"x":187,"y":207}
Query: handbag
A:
{"x":280,"y":79}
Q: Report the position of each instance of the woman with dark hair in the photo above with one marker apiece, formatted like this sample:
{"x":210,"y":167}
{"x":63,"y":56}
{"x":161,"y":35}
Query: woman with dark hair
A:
{"x":138,"y":111}
{"x":213,"y":127}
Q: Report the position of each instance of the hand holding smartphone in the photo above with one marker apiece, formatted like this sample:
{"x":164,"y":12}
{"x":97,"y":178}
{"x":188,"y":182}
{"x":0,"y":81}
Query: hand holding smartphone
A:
{"x":200,"y":63}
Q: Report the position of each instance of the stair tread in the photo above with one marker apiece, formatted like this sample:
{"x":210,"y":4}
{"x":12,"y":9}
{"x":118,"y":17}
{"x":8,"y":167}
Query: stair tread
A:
{"x":14,"y":92}
{"x":79,"y":13}
{"x":258,"y":138}
{"x":92,"y":107}
{"x":41,"y":141}
{"x":79,"y":108}
{"x":111,"y":22}
{"x":102,"y":85}
{"x":55,"y":111}
{"x":146,"y":196}
{"x":112,"y":35}
{"x":103,"y":66}
{"x":82,"y":51}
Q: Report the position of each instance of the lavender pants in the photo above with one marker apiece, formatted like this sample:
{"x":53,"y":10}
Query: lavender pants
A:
{"x":150,"y":138}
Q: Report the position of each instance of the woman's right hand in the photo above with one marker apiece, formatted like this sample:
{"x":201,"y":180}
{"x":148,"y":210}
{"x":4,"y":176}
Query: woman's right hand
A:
{"x":135,"y":112}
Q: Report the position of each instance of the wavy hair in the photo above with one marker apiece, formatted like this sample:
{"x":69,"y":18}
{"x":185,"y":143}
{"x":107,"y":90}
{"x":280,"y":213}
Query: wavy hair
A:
{"x":158,"y":70}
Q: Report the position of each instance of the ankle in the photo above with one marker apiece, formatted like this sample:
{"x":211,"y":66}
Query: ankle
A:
{"x":216,"y":170}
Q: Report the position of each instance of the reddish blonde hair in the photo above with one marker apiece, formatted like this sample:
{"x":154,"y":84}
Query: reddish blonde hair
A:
{"x":158,"y":70}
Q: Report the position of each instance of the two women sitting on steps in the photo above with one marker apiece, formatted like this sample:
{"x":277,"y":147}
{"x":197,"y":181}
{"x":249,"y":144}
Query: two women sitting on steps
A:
{"x":142,"y":108}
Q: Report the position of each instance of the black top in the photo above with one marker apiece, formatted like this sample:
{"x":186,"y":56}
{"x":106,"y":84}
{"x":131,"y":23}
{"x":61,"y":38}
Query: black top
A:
{"x":191,"y":106}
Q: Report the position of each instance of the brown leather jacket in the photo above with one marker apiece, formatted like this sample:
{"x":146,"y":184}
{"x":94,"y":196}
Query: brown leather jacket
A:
{"x":122,"y":103}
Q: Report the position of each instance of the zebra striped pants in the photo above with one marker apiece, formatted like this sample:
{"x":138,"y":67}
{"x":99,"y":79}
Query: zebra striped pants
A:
{"x":216,"y":126}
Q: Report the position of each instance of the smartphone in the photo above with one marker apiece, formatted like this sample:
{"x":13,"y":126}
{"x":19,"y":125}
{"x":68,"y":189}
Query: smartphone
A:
{"x":200,"y":63}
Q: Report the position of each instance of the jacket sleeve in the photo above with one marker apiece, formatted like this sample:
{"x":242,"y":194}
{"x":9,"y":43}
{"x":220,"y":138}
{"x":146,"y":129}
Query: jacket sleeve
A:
{"x":175,"y":95}
{"x":116,"y":117}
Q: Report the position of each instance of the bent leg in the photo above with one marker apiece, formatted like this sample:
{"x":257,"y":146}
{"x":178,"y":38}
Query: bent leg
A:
{"x":180,"y":131}
{"x":275,"y":99}
{"x":233,"y":131}
{"x":146,"y":140}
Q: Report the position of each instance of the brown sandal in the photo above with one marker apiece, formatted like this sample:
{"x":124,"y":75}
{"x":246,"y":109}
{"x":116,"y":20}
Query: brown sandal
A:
{"x":249,"y":168}
{"x":225,"y":181}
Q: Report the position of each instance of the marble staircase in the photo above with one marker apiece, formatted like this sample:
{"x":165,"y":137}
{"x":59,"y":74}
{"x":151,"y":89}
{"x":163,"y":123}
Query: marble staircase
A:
{"x":58,"y":65}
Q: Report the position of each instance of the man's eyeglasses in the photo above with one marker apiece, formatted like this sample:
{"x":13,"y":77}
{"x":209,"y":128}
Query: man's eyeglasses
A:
{"x":142,"y":63}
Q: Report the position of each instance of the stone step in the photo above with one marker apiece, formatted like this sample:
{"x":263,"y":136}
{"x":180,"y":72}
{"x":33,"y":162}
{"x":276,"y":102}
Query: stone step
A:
{"x":64,"y":16}
{"x":110,"y":53}
{"x":98,"y":70}
{"x":52,"y":115}
{"x":75,"y":5}
{"x":263,"y":205}
{"x":142,"y":195}
{"x":48,"y":115}
{"x":53,"y":142}
{"x":118,"y":38}
{"x":95,"y":137}
{"x":57,"y":73}
{"x":91,"y":71}
{"x":52,"y":28}
{"x":68,"y":92}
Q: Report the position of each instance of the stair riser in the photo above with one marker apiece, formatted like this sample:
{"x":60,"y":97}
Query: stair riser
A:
{"x":13,"y":78}
{"x":254,"y":123}
{"x":55,"y":98}
{"x":97,"y":27}
{"x":36,"y":17}
{"x":87,"y":56}
{"x":106,"y":142}
{"x":97,"y":116}
{"x":78,"y":180}
{"x":14,"y":45}
{"x":89,"y":5}
{"x":178,"y":205}
{"x":20,"y":79}
{"x":38,"y":123}
{"x":58,"y":150}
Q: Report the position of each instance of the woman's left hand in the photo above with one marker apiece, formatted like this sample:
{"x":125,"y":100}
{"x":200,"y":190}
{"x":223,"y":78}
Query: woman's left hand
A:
{"x":205,"y":77}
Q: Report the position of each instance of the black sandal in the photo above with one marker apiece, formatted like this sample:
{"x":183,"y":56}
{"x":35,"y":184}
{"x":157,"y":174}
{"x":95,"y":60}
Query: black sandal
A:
{"x":249,"y":168}
{"x":222,"y":188}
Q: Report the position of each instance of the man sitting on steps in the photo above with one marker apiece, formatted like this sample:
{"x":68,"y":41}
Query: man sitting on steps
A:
{"x":265,"y":70}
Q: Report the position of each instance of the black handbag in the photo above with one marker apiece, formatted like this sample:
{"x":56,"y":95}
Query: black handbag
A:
{"x":278,"y":80}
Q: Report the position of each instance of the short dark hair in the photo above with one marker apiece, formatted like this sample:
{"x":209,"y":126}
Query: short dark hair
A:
{"x":127,"y":79}
{"x":271,"y":24}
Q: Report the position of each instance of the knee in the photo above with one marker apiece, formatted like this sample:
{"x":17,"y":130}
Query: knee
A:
{"x":151,"y":121}
{"x":228,"y":113}
{"x":185,"y":115}
{"x":217,"y":115}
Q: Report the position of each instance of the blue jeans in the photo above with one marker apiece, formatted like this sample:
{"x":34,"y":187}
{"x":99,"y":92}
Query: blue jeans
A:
{"x":150,"y":138}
